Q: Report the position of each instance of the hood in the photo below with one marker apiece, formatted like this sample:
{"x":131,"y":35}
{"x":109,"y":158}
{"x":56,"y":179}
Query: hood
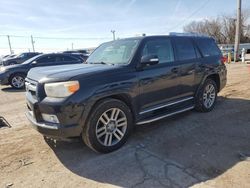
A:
{"x":65,"y":72}
{"x":15,"y":66}
{"x":11,"y":59}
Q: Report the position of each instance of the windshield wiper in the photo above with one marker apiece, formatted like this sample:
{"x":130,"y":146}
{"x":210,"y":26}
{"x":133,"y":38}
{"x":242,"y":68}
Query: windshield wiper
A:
{"x":101,"y":62}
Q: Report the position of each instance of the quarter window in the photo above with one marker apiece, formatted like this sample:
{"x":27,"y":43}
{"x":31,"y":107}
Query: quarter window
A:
{"x":208,"y":47}
{"x":184,"y":49}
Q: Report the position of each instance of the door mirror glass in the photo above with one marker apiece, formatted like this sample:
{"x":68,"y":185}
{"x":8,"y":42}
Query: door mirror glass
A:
{"x":149,"y":60}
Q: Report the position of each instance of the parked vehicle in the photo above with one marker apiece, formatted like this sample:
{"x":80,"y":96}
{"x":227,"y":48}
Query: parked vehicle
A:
{"x":4,"y":58}
{"x":125,"y":82}
{"x":14,"y":75}
{"x":77,"y":51}
{"x":19,"y":58}
{"x":247,"y":55}
{"x":9,"y":56}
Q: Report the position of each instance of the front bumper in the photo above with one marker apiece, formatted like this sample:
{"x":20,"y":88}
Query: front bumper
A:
{"x":54,"y":130}
{"x":68,"y":112}
{"x":4,"y":78}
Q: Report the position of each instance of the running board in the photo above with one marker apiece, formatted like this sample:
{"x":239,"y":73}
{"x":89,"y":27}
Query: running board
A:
{"x":164,"y":116}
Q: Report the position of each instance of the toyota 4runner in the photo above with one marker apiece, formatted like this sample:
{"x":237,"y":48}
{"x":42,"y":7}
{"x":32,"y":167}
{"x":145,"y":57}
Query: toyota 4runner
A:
{"x":124,"y":83}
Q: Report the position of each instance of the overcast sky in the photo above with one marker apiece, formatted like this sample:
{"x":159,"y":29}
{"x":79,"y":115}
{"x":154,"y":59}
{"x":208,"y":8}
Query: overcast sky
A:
{"x":94,"y":19}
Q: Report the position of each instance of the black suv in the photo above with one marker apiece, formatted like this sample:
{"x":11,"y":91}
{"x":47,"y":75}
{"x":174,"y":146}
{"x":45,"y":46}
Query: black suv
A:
{"x":125,"y":82}
{"x":19,"y":58}
{"x":14,"y":75}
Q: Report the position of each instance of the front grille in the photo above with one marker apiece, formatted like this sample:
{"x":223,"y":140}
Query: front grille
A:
{"x":31,"y":87}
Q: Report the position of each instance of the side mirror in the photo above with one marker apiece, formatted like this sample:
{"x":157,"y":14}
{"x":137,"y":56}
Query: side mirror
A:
{"x":34,"y":63}
{"x":149,"y":60}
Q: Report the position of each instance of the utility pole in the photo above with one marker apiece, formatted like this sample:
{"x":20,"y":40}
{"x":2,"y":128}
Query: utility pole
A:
{"x":9,"y":43}
{"x":113,"y":32}
{"x":32,"y":42}
{"x":237,"y":33}
{"x":72,"y":46}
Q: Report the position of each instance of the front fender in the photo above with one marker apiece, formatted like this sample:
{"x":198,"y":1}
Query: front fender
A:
{"x":123,"y":85}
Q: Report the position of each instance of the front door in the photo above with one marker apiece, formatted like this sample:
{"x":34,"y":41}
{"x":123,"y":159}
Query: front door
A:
{"x":160,"y":83}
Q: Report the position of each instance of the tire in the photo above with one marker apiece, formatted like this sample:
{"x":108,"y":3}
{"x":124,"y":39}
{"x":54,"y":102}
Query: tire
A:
{"x":102,"y":123}
{"x":208,"y":92}
{"x":17,"y":81}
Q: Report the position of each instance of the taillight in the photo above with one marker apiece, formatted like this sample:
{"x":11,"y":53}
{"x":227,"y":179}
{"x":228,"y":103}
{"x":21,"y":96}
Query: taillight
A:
{"x":223,"y":59}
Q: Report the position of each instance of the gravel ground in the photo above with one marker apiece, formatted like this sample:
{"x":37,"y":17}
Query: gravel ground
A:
{"x":190,"y":149}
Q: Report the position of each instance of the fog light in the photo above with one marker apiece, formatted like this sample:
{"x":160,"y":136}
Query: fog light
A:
{"x":50,"y":118}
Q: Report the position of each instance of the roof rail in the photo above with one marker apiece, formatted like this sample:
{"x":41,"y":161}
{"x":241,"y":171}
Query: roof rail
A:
{"x":187,"y":34}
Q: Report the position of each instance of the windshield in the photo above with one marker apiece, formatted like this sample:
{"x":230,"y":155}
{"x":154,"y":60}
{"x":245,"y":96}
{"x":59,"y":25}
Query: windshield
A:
{"x":10,"y":56}
{"x":31,"y":59}
{"x":21,"y":55}
{"x":115,"y":52}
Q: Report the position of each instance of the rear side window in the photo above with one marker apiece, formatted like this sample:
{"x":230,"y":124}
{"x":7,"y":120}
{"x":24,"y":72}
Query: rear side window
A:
{"x":208,"y":47}
{"x":160,"y":47}
{"x":68,"y":58}
{"x":184,"y":49}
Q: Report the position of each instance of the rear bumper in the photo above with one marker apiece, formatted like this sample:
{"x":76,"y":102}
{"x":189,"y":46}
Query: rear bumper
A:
{"x":223,"y":78}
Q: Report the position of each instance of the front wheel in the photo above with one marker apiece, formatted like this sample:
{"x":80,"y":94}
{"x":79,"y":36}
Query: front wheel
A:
{"x":108,"y":126}
{"x":17,"y":81}
{"x":206,"y":96}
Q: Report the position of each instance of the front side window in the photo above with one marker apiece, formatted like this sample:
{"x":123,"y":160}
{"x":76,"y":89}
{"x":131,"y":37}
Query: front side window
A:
{"x":162,"y":48}
{"x":47,"y":59}
{"x":184,"y":49}
{"x":115,"y":52}
{"x":31,"y":59}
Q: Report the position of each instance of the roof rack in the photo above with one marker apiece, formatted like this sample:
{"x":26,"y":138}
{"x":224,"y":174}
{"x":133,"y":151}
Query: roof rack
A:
{"x":187,"y":34}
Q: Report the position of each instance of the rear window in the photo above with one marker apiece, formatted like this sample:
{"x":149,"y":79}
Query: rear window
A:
{"x":208,"y":47}
{"x":184,"y":49}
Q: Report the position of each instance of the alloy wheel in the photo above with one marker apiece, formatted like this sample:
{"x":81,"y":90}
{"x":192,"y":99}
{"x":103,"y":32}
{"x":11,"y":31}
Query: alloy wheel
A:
{"x":111,"y":127}
{"x":209,"y":95}
{"x":17,"y":81}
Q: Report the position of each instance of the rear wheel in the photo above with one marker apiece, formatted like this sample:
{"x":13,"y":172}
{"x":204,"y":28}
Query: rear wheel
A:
{"x":108,"y":126}
{"x":206,"y":96}
{"x":17,"y":81}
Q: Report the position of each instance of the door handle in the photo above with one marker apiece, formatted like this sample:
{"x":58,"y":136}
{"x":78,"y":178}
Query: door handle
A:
{"x":175,"y":70}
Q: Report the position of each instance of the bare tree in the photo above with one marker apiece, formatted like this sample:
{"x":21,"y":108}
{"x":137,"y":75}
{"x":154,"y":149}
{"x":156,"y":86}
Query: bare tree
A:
{"x":222,"y":28}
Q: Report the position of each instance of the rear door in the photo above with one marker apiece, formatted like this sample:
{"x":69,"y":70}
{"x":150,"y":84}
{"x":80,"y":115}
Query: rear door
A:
{"x":186,"y":54}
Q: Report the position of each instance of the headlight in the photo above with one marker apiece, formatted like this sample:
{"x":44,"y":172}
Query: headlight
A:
{"x":2,"y":69}
{"x":61,"y":89}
